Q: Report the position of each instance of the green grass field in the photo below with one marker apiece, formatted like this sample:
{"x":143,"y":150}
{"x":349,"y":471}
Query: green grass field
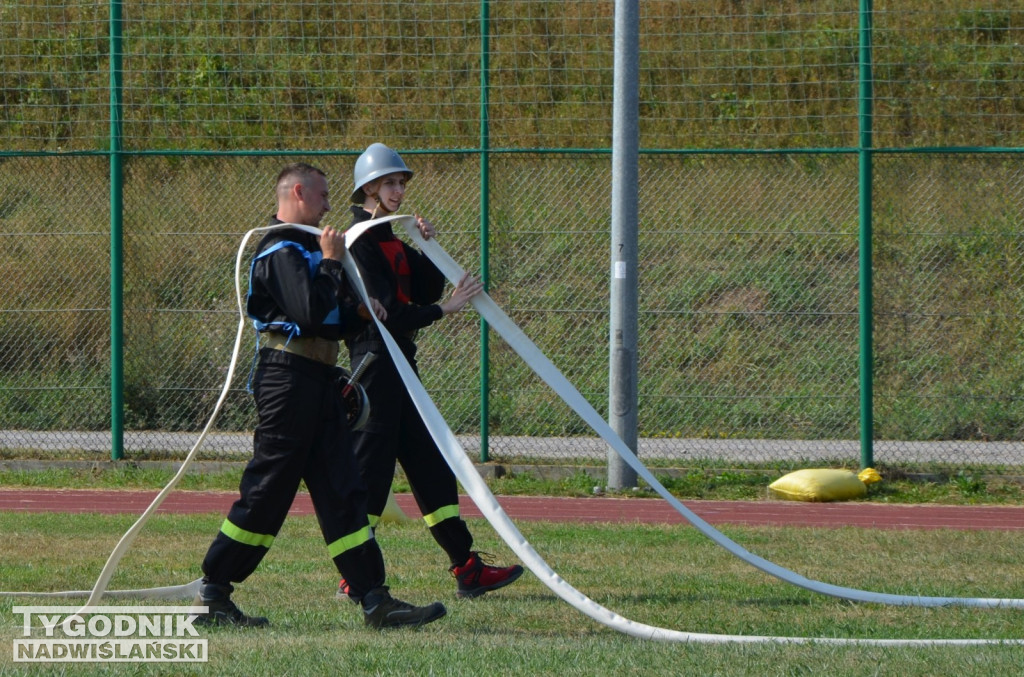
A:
{"x":667,"y":576}
{"x":727,"y":482}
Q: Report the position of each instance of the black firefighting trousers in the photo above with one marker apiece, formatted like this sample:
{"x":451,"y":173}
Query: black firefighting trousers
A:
{"x":302,"y":434}
{"x":395,"y":432}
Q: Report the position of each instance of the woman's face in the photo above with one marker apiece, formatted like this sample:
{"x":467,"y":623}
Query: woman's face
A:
{"x":390,"y":191}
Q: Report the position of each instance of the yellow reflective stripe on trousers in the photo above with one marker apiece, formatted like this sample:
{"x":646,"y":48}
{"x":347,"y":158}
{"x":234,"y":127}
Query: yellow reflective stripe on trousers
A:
{"x":236,"y":533}
{"x":441,"y":514}
{"x":348,"y":542}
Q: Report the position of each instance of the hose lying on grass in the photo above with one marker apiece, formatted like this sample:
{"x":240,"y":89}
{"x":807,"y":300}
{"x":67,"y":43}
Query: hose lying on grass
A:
{"x":491,"y":509}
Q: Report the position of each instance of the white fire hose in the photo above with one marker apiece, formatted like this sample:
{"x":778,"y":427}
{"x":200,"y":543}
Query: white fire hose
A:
{"x":481,"y":494}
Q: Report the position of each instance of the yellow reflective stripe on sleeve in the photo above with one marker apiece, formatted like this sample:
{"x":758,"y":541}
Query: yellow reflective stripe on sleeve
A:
{"x":374,"y":520}
{"x":242,"y":536}
{"x":441,"y":514}
{"x":351,"y":541}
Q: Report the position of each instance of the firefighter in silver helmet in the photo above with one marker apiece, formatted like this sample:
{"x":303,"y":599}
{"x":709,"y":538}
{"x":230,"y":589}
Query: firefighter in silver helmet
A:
{"x":410,"y":288}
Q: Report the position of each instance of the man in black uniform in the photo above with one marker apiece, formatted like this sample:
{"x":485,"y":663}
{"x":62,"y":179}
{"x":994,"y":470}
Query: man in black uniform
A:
{"x":296,"y":297}
{"x":409,"y":286}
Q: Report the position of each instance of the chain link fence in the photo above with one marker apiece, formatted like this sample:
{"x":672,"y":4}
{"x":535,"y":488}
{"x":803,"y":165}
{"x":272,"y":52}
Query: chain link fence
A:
{"x":748,"y":236}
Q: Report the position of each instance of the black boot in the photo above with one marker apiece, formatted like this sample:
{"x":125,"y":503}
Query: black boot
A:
{"x":222,"y":611}
{"x":381,"y":610}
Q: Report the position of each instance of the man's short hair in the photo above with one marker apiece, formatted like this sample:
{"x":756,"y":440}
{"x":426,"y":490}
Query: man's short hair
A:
{"x":295,"y":173}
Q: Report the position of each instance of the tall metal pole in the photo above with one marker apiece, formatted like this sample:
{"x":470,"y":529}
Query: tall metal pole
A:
{"x":485,"y":143}
{"x":865,"y":275}
{"x":622,"y":383}
{"x":116,"y":241}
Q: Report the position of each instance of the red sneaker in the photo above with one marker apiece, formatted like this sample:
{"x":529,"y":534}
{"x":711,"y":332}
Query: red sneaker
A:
{"x":343,"y":591}
{"x":476,"y":576}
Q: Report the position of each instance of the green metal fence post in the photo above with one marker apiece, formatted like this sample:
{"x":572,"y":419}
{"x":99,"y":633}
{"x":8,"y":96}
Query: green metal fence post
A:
{"x":865,"y":207}
{"x":116,"y":241}
{"x":485,"y":387}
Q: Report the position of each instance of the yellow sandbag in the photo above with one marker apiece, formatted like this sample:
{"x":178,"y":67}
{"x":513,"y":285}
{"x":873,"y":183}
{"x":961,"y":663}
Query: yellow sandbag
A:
{"x":869,"y":476}
{"x":823,"y":484}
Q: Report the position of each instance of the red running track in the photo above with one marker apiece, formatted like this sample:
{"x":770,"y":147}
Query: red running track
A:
{"x":589,"y":509}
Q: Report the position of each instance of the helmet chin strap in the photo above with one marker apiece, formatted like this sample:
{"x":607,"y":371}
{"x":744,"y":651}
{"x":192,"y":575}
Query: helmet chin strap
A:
{"x":379,"y":205}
